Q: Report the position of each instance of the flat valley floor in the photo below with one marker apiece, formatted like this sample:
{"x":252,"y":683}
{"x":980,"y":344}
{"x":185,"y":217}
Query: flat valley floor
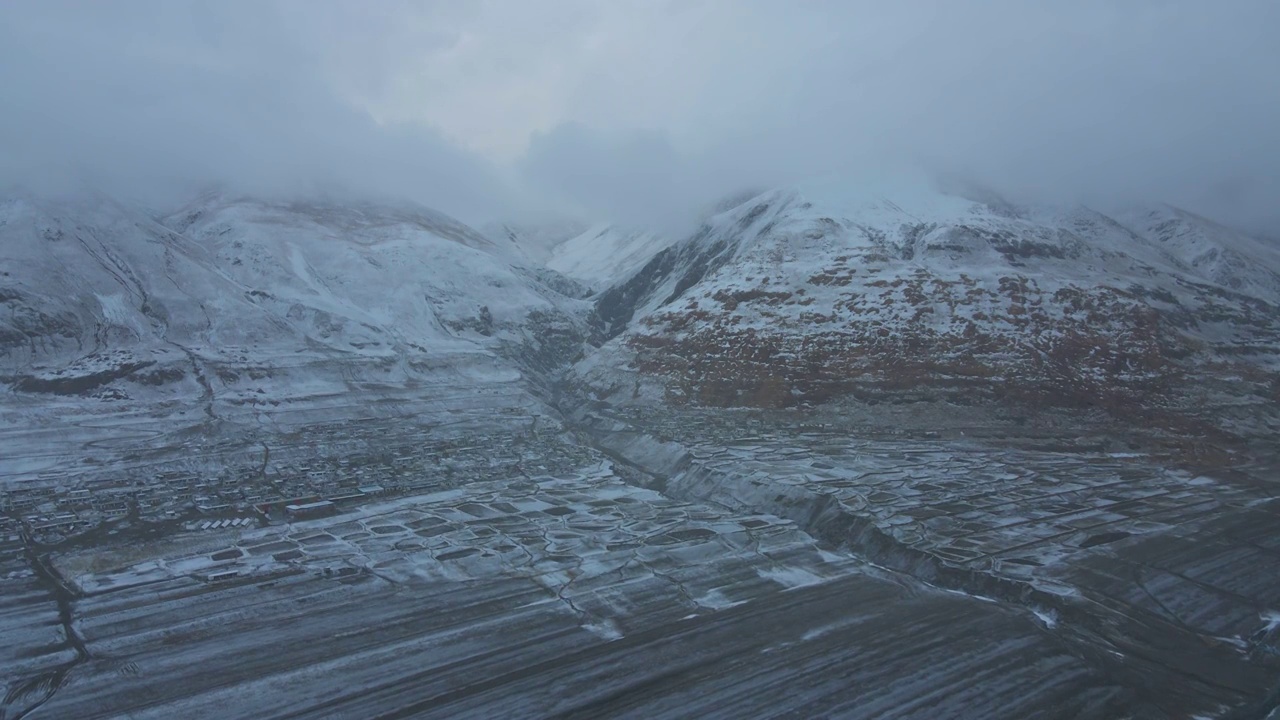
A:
{"x":744,"y":571}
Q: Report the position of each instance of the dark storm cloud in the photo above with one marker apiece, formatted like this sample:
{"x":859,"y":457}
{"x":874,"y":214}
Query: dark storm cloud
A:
{"x":155,"y":99}
{"x":1102,"y":102}
{"x":646,"y":111}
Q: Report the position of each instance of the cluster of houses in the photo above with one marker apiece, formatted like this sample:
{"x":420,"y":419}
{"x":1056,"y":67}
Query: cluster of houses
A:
{"x":49,"y":510}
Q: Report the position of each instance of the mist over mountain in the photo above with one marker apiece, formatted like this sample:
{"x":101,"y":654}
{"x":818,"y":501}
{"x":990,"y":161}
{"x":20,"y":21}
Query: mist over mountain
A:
{"x":644,"y":114}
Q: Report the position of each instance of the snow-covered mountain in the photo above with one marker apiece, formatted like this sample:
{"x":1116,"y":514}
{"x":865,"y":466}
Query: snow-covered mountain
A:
{"x":790,"y":297}
{"x":533,"y":242}
{"x":1209,"y":250}
{"x":605,"y":254}
{"x":816,"y":293}
{"x":243,"y":301}
{"x":596,"y":256}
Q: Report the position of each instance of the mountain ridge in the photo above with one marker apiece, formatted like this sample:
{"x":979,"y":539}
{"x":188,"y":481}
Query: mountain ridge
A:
{"x":791,"y":296}
{"x":786,"y":301}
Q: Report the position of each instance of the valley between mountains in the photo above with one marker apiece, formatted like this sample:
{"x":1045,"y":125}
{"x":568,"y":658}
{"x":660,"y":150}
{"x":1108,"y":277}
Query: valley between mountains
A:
{"x":897,"y":451}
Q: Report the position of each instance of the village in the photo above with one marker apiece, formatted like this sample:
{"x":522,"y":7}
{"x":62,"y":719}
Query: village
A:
{"x":317,"y":471}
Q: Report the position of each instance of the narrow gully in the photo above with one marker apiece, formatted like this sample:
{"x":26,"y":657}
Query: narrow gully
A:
{"x":51,"y":681}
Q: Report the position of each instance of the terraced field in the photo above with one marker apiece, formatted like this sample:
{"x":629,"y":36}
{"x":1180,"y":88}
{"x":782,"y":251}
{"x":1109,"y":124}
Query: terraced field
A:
{"x":805,"y":575}
{"x":581,"y":595}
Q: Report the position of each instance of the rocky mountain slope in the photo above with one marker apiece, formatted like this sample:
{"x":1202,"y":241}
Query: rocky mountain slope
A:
{"x":246,"y":302}
{"x":789,"y":298}
{"x":806,"y":296}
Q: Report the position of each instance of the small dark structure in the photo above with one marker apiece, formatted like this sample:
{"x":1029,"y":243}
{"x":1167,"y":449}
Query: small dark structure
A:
{"x":319,"y":508}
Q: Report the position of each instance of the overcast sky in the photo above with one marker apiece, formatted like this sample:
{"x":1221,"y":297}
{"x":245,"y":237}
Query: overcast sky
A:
{"x":644,"y":110}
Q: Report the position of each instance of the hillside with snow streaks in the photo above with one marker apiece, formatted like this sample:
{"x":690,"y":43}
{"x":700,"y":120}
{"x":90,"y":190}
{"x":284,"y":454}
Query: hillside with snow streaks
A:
{"x":792,"y":297}
{"x":245,"y":302}
{"x":533,"y":242}
{"x":373,"y":279}
{"x":605,"y":254}
{"x":806,"y":295}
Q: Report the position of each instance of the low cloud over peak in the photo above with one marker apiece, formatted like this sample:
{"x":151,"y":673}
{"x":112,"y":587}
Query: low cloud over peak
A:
{"x":646,"y":112}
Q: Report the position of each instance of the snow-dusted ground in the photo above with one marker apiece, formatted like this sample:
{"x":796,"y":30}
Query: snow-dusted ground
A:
{"x":1163,"y":570}
{"x":582,"y":593}
{"x":524,"y":598}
